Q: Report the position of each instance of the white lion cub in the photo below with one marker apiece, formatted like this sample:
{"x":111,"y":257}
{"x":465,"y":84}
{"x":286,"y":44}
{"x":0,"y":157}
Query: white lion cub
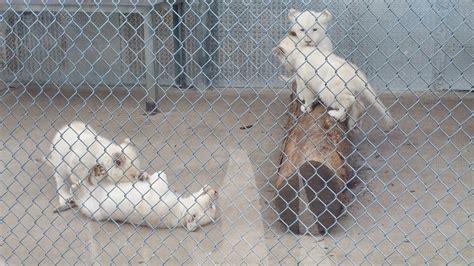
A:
{"x":149,"y":202}
{"x":76,"y":148}
{"x":338,"y":83}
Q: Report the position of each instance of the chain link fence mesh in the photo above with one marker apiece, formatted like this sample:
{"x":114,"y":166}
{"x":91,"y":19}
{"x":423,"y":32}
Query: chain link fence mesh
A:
{"x":222,"y":121}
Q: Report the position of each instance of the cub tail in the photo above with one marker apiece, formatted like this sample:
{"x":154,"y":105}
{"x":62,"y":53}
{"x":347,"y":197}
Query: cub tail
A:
{"x":389,"y":122}
{"x":42,"y":160}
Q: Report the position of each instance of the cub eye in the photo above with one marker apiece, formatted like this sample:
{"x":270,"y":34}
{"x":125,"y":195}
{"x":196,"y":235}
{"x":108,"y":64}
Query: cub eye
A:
{"x":194,"y":215}
{"x":315,"y":29}
{"x":301,"y":29}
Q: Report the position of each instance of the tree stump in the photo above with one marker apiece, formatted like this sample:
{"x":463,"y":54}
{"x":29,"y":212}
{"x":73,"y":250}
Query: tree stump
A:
{"x":315,"y":155}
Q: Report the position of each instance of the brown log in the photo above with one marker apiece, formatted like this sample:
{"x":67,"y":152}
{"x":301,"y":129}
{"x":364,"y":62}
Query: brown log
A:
{"x":314,"y":154}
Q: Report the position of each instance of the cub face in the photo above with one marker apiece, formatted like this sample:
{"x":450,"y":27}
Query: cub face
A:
{"x":122,"y":162}
{"x":309,"y":26}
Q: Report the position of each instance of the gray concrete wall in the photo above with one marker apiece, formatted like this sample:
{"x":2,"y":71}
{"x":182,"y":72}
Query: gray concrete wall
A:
{"x":401,"y":45}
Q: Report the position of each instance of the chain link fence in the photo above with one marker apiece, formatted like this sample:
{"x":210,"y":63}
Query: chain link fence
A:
{"x":195,"y":87}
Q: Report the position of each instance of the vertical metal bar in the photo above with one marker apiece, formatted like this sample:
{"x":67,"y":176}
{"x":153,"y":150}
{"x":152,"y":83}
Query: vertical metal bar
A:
{"x":180,"y":51}
{"x":440,"y":37}
{"x":151,"y":106}
{"x":208,"y":34}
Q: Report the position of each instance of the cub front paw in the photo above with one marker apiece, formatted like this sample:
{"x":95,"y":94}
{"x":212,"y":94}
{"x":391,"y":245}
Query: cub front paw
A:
{"x":75,"y":186}
{"x":96,"y":173}
{"x":305,"y":109}
{"x":338,"y":115}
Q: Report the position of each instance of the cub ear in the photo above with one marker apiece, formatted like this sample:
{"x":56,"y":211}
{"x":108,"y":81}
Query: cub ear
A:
{"x":278,"y":51}
{"x":127,"y":143}
{"x":119,"y":159}
{"x":293,"y":14}
{"x":325,"y":16}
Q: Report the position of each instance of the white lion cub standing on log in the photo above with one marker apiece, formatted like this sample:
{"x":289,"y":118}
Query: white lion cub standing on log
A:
{"x":339,"y":84}
{"x":149,"y":202}
{"x":309,"y":28}
{"x":76,"y":149}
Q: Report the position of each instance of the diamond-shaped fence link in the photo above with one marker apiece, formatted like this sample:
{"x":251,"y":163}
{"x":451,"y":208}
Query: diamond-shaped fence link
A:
{"x":198,"y":89}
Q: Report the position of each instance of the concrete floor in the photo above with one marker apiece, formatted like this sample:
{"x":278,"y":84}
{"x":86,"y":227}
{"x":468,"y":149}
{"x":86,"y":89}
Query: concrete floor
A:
{"x":414,"y":205}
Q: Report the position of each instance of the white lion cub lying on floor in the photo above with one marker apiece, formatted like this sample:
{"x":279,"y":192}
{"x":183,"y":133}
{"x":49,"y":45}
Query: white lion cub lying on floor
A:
{"x":149,"y":202}
{"x":76,"y":148}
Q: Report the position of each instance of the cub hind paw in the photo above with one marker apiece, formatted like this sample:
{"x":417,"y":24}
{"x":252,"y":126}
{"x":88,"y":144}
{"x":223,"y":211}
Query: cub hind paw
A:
{"x":99,"y":171}
{"x":144,"y":176}
{"x":64,"y":207}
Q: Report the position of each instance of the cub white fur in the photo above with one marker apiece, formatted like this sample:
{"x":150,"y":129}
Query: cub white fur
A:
{"x":148,"y":202}
{"x":336,"y":82}
{"x":310,"y":28}
{"x":76,"y":148}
